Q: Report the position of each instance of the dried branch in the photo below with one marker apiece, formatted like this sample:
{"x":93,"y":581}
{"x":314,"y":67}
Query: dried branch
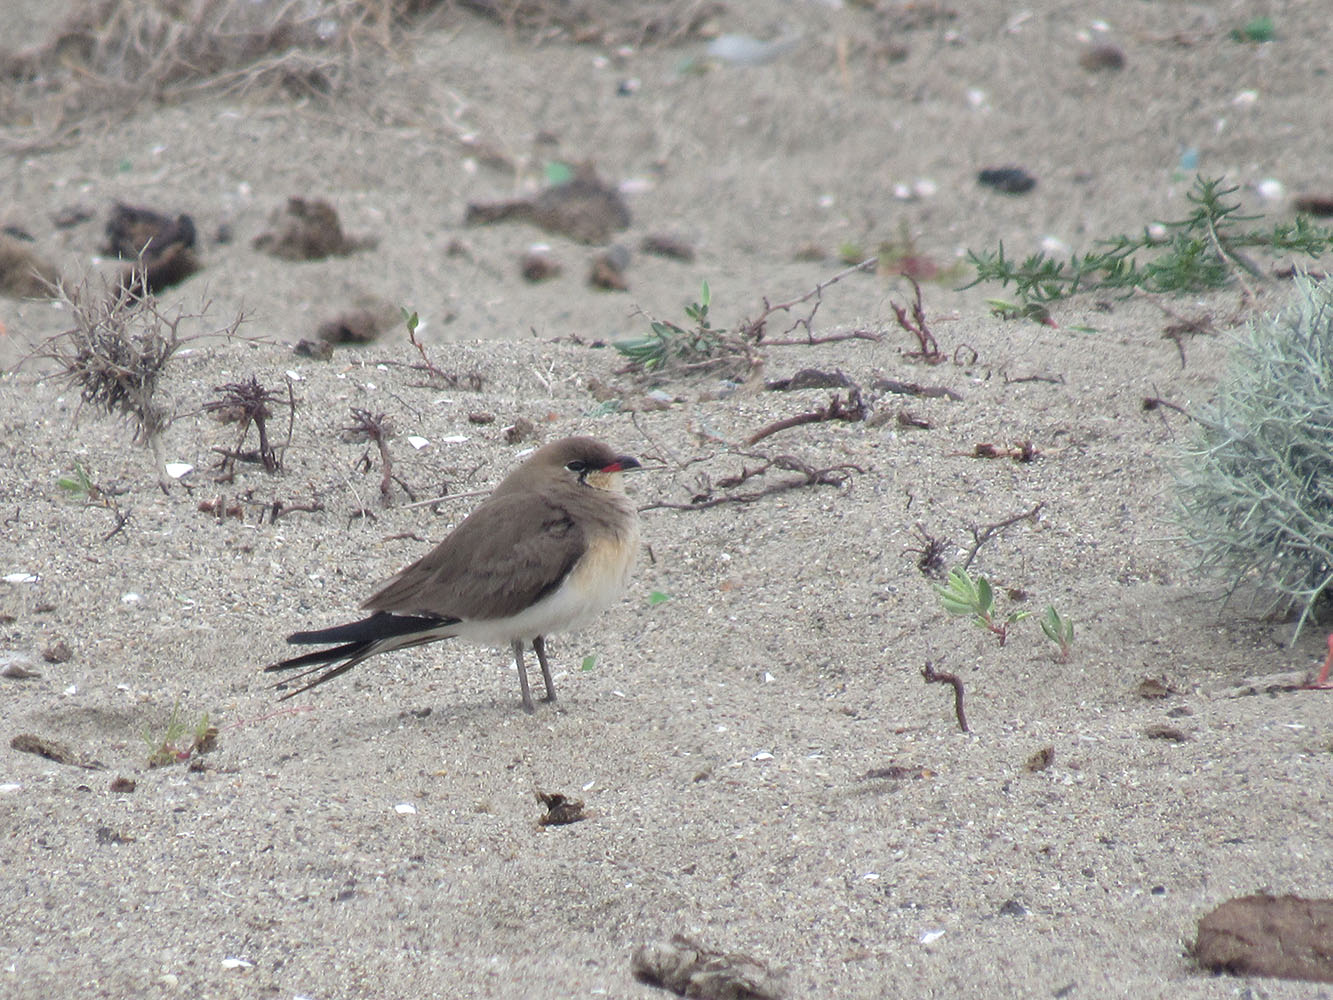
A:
{"x":374,"y":428}
{"x":980,"y":536}
{"x":834,"y":475}
{"x":934,"y":676}
{"x":249,"y":403}
{"x":754,"y":329}
{"x":928,"y":349}
{"x":852,"y":411}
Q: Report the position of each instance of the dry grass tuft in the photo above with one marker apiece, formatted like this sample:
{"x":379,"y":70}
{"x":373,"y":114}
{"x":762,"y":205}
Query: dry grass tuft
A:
{"x":115,"y":353}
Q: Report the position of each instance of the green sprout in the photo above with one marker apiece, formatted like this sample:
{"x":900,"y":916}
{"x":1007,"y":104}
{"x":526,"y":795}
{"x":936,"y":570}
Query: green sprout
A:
{"x":1258,"y":29}
{"x":180,"y":740}
{"x":79,"y":483}
{"x":671,"y":344}
{"x":1059,"y":630}
{"x":962,"y":595}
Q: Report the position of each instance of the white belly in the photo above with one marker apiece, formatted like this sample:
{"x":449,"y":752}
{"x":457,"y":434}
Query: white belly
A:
{"x":597,"y":582}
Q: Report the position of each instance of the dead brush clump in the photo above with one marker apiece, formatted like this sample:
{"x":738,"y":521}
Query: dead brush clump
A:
{"x":110,"y":53}
{"x":106,"y":57}
{"x":115,"y":353}
{"x":169,"y":49}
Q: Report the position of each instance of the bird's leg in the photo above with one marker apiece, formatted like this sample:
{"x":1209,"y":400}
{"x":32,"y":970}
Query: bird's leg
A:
{"x":522,"y":676}
{"x":539,"y":647}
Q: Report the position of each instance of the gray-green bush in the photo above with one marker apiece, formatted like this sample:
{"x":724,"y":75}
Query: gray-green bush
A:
{"x":1256,"y":485}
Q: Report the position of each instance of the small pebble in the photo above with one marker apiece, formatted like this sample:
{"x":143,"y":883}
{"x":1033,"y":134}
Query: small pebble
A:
{"x":1102,"y":57}
{"x":1008,"y":180}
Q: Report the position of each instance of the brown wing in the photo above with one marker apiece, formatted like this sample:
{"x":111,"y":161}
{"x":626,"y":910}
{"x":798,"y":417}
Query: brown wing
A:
{"x":506,"y":555}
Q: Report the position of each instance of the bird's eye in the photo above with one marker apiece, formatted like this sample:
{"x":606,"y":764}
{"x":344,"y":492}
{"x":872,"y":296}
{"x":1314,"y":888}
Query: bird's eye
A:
{"x":577,"y":465}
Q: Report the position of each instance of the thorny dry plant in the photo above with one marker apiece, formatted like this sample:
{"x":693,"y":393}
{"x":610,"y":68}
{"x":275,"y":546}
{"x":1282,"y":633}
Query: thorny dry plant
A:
{"x":116,"y":352}
{"x":928,"y":348}
{"x":375,"y":428}
{"x":248,"y":403}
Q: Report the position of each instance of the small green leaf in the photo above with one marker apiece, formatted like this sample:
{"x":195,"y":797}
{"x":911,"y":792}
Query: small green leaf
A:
{"x":705,"y":294}
{"x":657,"y":597}
{"x":985,"y":596}
{"x":558,"y":172}
{"x":411,"y":318}
{"x":588,"y":663}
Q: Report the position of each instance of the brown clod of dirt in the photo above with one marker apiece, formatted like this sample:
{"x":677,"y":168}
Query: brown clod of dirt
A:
{"x":24,"y":273}
{"x":560,"y":809}
{"x":1261,"y":935}
{"x":132,"y":230}
{"x":689,"y":968}
{"x":668,"y":246}
{"x":1040,"y":760}
{"x":161,"y":247}
{"x":607,"y":270}
{"x":584,"y":209}
{"x":1102,"y":57}
{"x":538,"y":265}
{"x":355,"y":326}
{"x":308,"y":229}
{"x":1320,"y":205}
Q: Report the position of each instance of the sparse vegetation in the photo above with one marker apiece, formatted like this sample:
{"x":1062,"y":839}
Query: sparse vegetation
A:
{"x":376,"y":429}
{"x":1206,"y":249}
{"x":180,"y":740}
{"x":1256,"y":487}
{"x":961,"y":595}
{"x":1059,"y":630}
{"x":699,"y":346}
{"x":248,"y":403}
{"x":115,"y":354}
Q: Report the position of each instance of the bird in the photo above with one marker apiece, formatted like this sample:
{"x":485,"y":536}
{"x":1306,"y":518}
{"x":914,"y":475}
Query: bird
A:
{"x":550,"y":549}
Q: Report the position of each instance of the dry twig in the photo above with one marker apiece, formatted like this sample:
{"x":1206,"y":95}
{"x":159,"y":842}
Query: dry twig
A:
{"x":928,"y":349}
{"x":934,"y":676}
{"x":852,"y":411}
{"x":374,"y":428}
{"x":754,"y":329}
{"x":834,"y":475}
{"x":980,"y":536}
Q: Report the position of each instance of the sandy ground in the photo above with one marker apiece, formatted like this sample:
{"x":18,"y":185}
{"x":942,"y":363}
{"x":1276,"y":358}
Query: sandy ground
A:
{"x":763,"y":765}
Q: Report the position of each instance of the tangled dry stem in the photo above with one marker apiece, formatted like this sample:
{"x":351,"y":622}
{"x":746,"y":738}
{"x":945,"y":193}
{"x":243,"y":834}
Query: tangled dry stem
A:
{"x":115,"y":354}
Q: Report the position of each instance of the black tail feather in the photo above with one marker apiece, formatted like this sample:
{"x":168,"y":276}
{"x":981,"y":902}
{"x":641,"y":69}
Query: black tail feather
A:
{"x":379,"y":633}
{"x":381,"y":625}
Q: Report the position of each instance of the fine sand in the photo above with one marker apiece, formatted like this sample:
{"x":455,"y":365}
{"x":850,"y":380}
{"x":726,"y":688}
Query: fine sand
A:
{"x":762,"y":765}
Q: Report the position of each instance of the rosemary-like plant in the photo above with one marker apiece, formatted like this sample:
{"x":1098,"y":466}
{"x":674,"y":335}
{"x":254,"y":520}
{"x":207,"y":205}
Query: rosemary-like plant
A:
{"x":1256,"y":486}
{"x":1206,"y":249}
